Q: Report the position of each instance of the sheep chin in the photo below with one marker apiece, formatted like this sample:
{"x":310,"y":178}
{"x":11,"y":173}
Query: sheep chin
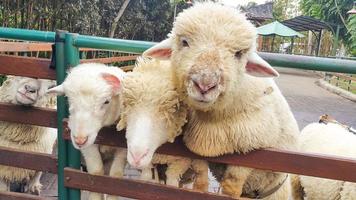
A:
{"x":23,"y":99}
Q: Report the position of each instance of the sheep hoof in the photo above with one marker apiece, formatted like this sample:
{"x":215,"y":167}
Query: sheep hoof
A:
{"x":231,"y":188}
{"x":95,"y":196}
{"x":110,"y":197}
{"x":201,"y":186}
{"x":34,"y":188}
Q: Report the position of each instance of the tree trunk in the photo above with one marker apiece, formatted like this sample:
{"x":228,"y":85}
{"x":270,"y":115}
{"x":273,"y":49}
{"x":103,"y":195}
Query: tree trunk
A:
{"x":117,"y":18}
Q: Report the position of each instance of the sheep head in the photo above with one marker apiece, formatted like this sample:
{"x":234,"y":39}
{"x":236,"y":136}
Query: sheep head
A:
{"x":211,"y":47}
{"x":25,"y":91}
{"x":152,"y":114}
{"x":93,"y":95}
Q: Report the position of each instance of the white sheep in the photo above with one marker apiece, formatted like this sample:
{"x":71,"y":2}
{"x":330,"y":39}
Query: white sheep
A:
{"x":218,"y":74}
{"x":153,"y":115}
{"x":26,"y":92}
{"x":331,"y":139}
{"x":93,"y":92}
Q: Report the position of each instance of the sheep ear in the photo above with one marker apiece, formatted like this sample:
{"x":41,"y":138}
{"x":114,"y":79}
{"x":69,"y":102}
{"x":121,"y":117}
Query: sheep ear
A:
{"x":162,"y":50}
{"x":59,"y":90}
{"x":113,"y":81}
{"x":256,"y":66}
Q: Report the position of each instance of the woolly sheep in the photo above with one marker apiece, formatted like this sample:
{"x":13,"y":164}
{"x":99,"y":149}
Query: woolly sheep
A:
{"x":26,"y":92}
{"x":93,"y":92}
{"x":331,"y":139}
{"x":217,"y":73}
{"x":152,"y":116}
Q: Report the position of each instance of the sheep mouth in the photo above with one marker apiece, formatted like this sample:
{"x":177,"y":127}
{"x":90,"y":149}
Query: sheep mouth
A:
{"x":24,"y":96}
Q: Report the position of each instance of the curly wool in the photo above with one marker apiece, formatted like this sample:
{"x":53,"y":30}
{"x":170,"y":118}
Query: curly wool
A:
{"x":145,"y":87}
{"x":150,"y":87}
{"x":330,"y":139}
{"x":250,"y":113}
{"x":22,"y":136}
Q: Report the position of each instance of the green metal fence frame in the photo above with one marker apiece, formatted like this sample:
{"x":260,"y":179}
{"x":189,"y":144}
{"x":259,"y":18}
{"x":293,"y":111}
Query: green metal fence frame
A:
{"x":67,"y":55}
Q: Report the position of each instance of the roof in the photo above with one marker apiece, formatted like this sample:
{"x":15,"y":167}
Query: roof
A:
{"x":276,"y":28}
{"x":305,"y":23}
{"x":263,"y":11}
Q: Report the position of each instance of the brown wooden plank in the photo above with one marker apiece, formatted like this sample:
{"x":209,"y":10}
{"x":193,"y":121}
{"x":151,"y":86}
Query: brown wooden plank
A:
{"x":28,"y":115}
{"x":343,"y":76}
{"x":31,"y":46}
{"x":269,"y":159}
{"x":26,"y":66}
{"x":19,"y":196}
{"x":29,"y":160}
{"x":109,"y":60}
{"x":24,"y":46}
{"x":132,"y":188}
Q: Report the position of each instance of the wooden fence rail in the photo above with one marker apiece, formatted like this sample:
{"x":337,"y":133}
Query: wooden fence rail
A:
{"x":268,"y":159}
{"x":19,"y":196}
{"x":28,"y":160}
{"x":132,"y":188}
{"x":28,"y":115}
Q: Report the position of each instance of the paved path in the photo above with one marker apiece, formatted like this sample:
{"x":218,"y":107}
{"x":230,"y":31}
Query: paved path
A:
{"x":307,"y":100}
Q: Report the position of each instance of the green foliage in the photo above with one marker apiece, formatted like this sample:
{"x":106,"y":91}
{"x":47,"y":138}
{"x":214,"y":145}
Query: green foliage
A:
{"x":143,"y":19}
{"x":352,"y":31}
{"x":333,"y":12}
{"x":2,"y":79}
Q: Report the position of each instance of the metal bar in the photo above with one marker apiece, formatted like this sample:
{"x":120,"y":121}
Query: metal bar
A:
{"x":310,"y":63}
{"x":23,"y":34}
{"x":71,"y":55}
{"x":112,"y":44}
{"x":281,"y":60}
{"x":62,"y":112}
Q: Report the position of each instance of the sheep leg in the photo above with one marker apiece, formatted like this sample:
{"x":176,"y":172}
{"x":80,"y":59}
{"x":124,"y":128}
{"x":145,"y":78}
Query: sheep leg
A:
{"x":146,"y":174}
{"x":95,"y":166}
{"x":117,"y":168}
{"x":34,"y":186}
{"x":201,"y":181}
{"x":4,"y":186}
{"x":297,"y":189}
{"x":175,"y":171}
{"x":234,"y":179}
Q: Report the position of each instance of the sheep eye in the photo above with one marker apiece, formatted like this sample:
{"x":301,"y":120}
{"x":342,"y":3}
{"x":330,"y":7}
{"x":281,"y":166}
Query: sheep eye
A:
{"x":185,"y":43}
{"x":238,"y":54}
{"x":107,"y":102}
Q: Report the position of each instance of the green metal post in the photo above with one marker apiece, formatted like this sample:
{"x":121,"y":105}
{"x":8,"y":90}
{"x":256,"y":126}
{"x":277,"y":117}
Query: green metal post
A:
{"x":71,"y":55}
{"x":62,"y":112}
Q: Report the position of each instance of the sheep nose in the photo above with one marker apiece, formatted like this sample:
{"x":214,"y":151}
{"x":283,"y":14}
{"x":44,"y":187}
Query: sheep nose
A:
{"x":205,"y":88}
{"x":30,"y":89}
{"x":80,"y":140}
{"x":137,"y":156}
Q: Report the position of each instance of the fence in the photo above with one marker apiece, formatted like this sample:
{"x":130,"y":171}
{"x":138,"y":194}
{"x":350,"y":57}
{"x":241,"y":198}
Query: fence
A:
{"x":344,"y":81}
{"x":71,"y":179}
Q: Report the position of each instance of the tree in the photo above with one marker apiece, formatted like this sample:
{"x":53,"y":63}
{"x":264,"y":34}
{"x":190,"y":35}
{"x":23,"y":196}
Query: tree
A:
{"x":117,"y":18}
{"x":334,"y":12}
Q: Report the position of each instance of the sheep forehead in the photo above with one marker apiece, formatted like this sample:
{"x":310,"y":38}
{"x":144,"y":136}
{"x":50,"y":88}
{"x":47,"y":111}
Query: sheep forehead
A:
{"x":223,"y":25}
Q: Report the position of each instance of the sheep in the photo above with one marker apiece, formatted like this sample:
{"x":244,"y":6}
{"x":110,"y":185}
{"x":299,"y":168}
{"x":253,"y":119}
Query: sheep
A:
{"x":93,"y":92}
{"x":332,"y":139}
{"x":153,"y":115}
{"x":25,"y":92}
{"x":218,"y":74}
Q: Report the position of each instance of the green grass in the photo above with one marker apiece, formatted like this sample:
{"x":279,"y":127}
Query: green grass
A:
{"x":344,"y":84}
